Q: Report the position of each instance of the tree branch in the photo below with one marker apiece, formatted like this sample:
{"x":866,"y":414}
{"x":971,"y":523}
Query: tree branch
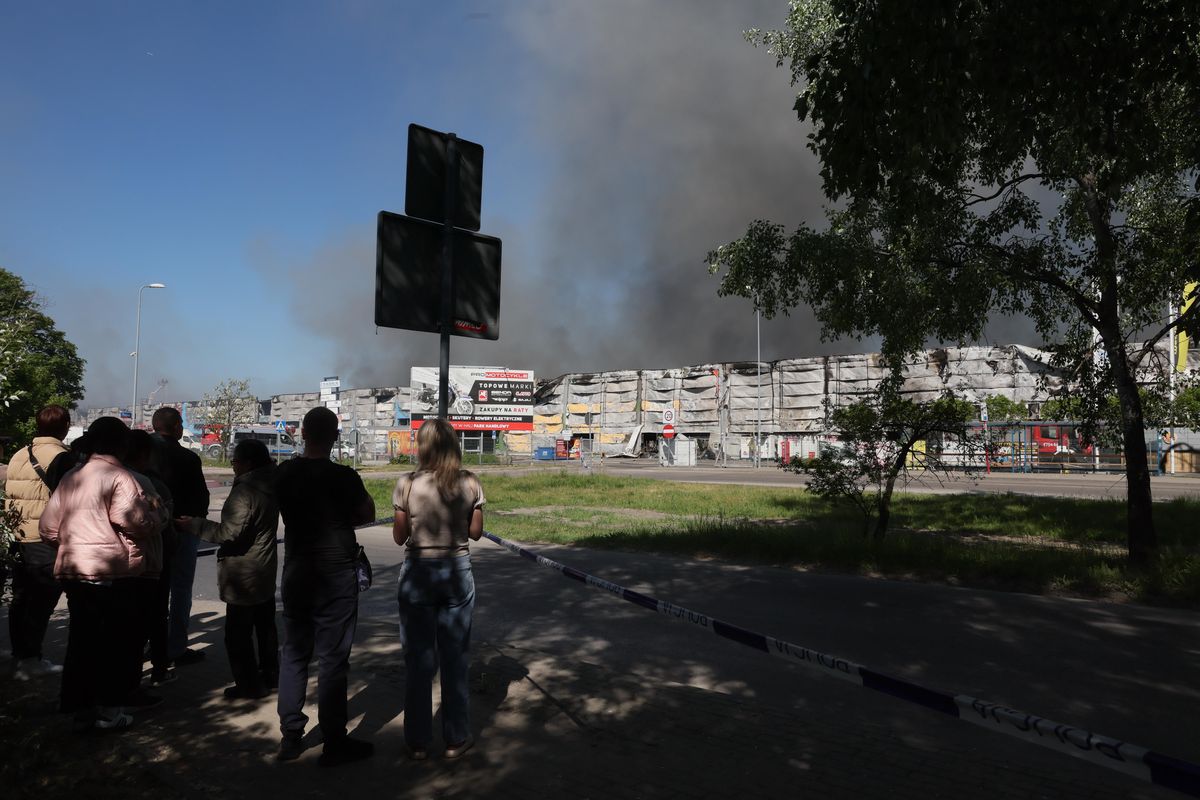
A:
{"x":1085,"y":304}
{"x":1004,"y":187}
{"x":1177,"y":323}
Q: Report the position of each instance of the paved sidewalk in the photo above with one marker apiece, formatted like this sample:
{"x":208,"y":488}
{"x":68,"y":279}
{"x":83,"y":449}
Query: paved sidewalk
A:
{"x":549,"y":727}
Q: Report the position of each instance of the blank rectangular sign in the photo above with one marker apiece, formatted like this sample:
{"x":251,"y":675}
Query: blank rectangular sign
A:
{"x":425,"y":182}
{"x":408,"y":278}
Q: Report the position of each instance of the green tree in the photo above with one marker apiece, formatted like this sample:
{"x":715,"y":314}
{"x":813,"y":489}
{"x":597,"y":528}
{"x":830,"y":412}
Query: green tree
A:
{"x":38,"y":365}
{"x":1187,"y":408}
{"x":228,"y":405}
{"x":998,"y":157}
{"x":877,"y":435}
{"x":1000,"y":409}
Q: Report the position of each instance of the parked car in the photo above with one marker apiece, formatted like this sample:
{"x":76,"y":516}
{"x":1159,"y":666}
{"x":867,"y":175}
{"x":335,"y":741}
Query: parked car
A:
{"x":190,"y":441}
{"x":280,"y":445}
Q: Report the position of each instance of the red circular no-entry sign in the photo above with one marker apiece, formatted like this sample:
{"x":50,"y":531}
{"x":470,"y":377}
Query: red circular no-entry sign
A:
{"x":668,"y":431}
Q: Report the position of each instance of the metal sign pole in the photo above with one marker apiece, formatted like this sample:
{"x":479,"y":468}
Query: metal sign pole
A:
{"x":447,"y":274}
{"x":1171,"y":382}
{"x":603,"y":409}
{"x":354,"y":430}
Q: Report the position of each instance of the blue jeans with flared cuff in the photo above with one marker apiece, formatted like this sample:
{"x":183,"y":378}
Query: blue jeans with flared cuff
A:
{"x":437,"y":600}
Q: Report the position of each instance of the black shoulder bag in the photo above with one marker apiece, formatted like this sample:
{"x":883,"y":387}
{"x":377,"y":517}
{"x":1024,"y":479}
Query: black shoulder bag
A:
{"x":37,"y":467}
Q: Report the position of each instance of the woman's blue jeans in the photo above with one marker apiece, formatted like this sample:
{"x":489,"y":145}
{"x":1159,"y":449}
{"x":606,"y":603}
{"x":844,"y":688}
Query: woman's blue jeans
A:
{"x":437,"y":598}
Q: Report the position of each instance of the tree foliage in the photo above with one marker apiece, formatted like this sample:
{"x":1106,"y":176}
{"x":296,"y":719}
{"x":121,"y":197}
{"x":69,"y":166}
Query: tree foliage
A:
{"x":877,"y":437}
{"x":1001,"y":409}
{"x":38,"y":365}
{"x":1187,"y":408}
{"x":10,"y":527}
{"x":995,"y":158}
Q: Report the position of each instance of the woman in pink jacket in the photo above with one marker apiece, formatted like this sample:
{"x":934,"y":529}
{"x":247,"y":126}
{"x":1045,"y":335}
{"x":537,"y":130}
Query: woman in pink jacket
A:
{"x":101,"y":520}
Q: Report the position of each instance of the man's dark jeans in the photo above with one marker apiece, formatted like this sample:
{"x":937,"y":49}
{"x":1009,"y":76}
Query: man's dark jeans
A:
{"x":158,"y":615}
{"x":181,"y":574}
{"x":320,"y":615}
{"x":35,"y":594}
{"x":244,"y":624}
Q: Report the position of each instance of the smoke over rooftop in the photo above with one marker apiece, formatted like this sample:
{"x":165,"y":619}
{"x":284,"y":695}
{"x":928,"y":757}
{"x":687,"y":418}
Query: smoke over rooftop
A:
{"x":661,"y":133}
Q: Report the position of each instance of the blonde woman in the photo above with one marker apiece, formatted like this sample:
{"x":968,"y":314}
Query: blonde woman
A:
{"x":439,"y":508}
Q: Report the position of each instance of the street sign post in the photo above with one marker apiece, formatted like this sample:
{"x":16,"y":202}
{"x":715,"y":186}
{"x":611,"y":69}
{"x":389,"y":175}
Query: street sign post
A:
{"x":428,"y":193}
{"x":443,"y":186}
{"x":408,"y":291}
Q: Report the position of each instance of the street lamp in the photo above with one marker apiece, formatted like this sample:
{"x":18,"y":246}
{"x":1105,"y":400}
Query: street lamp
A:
{"x":758,"y":377}
{"x":137,"y":339}
{"x":757,"y":385}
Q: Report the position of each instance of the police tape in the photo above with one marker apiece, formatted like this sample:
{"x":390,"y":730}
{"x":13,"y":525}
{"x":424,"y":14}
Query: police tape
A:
{"x":1138,"y":762}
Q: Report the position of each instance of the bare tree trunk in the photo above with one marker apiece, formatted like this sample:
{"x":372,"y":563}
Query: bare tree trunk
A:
{"x":1142,"y":537}
{"x":884,"y":515}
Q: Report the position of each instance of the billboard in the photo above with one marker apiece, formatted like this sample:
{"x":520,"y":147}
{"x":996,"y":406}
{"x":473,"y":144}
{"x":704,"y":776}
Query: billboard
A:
{"x":481,"y":398}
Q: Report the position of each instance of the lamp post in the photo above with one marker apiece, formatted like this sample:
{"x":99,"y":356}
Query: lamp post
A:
{"x":137,"y":340}
{"x":758,"y":386}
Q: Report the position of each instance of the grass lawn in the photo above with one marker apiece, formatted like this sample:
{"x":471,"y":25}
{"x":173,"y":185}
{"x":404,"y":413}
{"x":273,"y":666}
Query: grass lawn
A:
{"x":1017,"y":542}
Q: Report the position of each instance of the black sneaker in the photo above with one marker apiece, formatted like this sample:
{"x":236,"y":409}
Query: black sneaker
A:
{"x":290,"y":748}
{"x":115,"y":718}
{"x":162,"y":676}
{"x":189,"y":656}
{"x":243,"y":693}
{"x":344,"y":751}
{"x":140,"y":698}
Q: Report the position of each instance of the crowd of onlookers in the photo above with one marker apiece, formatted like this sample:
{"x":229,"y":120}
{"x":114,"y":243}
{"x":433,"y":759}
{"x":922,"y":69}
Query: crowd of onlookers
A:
{"x":114,"y":521}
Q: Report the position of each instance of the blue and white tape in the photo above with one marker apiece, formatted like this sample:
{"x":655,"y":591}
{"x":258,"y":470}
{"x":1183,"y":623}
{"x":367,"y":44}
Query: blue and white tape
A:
{"x":1138,"y":762}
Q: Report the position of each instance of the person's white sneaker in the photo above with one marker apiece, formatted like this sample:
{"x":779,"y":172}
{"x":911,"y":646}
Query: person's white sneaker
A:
{"x":45,"y":666}
{"x":28,"y":668}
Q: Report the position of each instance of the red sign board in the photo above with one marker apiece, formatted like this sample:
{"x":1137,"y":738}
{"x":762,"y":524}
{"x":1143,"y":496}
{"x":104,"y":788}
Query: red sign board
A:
{"x":466,"y":424}
{"x":668,"y":431}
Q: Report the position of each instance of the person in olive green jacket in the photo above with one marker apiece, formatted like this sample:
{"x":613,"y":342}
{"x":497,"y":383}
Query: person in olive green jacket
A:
{"x":246,"y":568}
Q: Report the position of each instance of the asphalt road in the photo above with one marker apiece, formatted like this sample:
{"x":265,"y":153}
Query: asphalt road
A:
{"x":1073,"y":484}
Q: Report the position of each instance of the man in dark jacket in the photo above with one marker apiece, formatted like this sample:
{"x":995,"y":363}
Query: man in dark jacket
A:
{"x":183,"y":473}
{"x":246,"y":567}
{"x":321,"y":503}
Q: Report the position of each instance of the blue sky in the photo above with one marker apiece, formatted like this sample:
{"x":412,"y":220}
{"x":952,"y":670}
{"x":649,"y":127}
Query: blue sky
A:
{"x":239,"y":152}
